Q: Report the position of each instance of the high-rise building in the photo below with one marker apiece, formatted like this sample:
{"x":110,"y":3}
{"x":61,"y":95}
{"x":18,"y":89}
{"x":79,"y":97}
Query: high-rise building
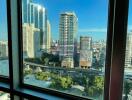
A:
{"x":102,"y":55}
{"x":67,"y":38}
{"x":85,"y":52}
{"x":3,"y":49}
{"x":128,"y":58}
{"x":85,"y":43}
{"x":48,"y":36}
{"x":25,"y":10}
{"x":35,"y":14}
{"x":38,"y":16}
{"x":31,"y":17}
{"x":31,"y":40}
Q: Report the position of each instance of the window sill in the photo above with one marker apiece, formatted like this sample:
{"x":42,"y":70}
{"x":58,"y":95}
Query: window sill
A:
{"x":4,"y":87}
{"x":53,"y":93}
{"x":28,"y":93}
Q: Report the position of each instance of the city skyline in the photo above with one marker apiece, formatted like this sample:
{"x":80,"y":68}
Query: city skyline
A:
{"x":64,"y":47}
{"x":95,"y":27}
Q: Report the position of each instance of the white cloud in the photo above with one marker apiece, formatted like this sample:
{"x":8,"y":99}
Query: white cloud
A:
{"x":102,"y":30}
{"x":93,"y":30}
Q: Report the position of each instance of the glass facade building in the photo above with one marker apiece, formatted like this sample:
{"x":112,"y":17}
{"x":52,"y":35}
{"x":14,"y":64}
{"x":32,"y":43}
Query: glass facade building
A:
{"x":35,"y":14}
{"x":25,"y":10}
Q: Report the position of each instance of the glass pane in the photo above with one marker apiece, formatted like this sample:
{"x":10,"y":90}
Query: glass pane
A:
{"x":4,"y":66}
{"x":64,"y":45}
{"x":4,"y":96}
{"x":127,"y":93}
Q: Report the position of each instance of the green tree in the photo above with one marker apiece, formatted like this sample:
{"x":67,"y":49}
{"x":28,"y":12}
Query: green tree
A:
{"x":42,"y":76}
{"x":94,"y":86}
{"x":27,"y":72}
{"x":90,"y":91}
{"x":99,"y":83}
{"x":61,"y":82}
{"x":127,"y":88}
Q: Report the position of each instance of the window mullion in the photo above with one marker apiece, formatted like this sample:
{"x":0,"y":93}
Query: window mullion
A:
{"x":118,"y":52}
{"x":14,"y":68}
{"x":109,"y":49}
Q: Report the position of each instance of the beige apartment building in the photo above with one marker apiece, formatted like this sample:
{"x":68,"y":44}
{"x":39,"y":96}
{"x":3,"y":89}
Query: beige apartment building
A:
{"x":67,"y":37}
{"x":31,"y":40}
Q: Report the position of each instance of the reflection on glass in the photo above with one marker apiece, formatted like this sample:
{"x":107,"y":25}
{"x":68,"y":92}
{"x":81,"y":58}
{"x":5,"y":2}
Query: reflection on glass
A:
{"x":127,"y":93}
{"x":64,"y":45}
{"x":4,"y":96}
{"x":4,"y":70}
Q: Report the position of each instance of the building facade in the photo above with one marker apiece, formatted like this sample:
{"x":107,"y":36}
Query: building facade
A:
{"x":33,"y":13}
{"x":3,"y":49}
{"x":48,"y":36}
{"x":85,"y":52}
{"x":67,"y":37}
{"x":25,"y":10}
{"x":31,"y":41}
{"x":128,"y":56}
{"x":38,"y":16}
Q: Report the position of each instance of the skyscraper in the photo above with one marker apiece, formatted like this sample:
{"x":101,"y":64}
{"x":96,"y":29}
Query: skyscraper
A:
{"x":38,"y":16}
{"x":48,"y":36}
{"x":128,"y":57}
{"x":25,"y":10}
{"x":85,"y":52}
{"x":31,"y":39}
{"x":35,"y":14}
{"x":67,"y":38}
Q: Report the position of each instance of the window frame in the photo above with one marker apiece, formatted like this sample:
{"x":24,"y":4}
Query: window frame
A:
{"x":118,"y":51}
{"x":16,"y":86}
{"x":51,"y":91}
{"x":110,"y":14}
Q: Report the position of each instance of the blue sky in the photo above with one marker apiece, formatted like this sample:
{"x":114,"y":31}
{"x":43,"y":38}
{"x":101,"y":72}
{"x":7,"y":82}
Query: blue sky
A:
{"x":92,"y":16}
{"x":130,"y":16}
{"x":3,"y":20}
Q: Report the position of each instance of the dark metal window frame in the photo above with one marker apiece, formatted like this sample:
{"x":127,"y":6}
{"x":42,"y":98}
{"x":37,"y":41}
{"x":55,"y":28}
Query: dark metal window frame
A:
{"x":115,"y":53}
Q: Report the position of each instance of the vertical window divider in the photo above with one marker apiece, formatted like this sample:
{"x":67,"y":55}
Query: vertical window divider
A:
{"x":20,"y":39}
{"x":118,"y":49}
{"x":109,"y":48}
{"x":12,"y":11}
{"x":10,"y":47}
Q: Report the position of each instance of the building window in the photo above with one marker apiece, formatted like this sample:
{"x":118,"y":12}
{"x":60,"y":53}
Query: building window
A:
{"x":83,"y":31}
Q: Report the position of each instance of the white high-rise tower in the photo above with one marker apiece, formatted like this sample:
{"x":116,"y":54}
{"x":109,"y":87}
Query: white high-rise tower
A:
{"x":128,"y":57}
{"x":67,"y":38}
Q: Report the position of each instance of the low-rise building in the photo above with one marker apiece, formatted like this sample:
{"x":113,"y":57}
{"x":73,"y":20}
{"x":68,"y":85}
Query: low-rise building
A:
{"x":67,"y":63}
